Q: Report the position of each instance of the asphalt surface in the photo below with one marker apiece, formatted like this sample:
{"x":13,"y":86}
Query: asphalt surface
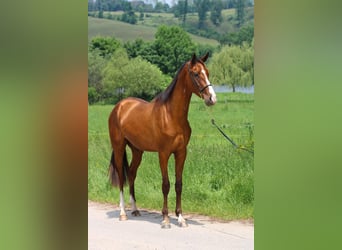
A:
{"x":105,"y":231}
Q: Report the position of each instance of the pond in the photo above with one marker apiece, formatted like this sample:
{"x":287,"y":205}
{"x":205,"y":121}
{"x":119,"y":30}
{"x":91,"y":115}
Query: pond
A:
{"x":225,"y":89}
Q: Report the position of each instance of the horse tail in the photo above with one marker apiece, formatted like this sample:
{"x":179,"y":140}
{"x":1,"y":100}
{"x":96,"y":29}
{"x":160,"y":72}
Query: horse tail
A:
{"x":113,"y":170}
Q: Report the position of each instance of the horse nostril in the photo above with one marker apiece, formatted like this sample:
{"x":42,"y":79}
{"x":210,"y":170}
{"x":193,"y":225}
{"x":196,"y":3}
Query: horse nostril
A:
{"x":212,"y":99}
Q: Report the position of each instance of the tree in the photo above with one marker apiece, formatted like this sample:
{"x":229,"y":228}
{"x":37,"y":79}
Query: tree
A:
{"x":96,"y":63}
{"x":129,"y":16}
{"x":240,"y":11}
{"x":245,"y":34}
{"x":143,"y":49}
{"x":233,"y":65}
{"x":100,"y":14}
{"x":105,"y":45}
{"x":135,"y":77}
{"x":173,"y":47}
{"x":113,"y":83}
{"x":159,"y":7}
{"x":185,"y":11}
{"x":202,"y":7}
{"x":93,"y":95}
{"x":180,"y":10}
{"x":215,"y":13}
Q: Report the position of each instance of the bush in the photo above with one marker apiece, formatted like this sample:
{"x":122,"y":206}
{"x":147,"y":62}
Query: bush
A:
{"x":93,"y":96}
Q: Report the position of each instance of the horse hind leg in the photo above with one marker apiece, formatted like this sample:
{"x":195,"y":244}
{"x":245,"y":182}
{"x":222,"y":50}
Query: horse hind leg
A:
{"x":136,"y":160}
{"x":118,"y":173}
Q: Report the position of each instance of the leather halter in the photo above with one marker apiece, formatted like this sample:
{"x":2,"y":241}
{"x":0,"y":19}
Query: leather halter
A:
{"x":195,"y":82}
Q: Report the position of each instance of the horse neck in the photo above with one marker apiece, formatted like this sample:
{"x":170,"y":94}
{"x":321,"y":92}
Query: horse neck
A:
{"x":180,"y":98}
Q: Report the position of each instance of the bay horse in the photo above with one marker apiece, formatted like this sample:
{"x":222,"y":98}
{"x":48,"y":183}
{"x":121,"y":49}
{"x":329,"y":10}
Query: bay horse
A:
{"x":158,"y":126}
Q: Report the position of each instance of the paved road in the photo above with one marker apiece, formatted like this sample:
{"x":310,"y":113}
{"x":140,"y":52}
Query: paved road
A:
{"x":105,"y":231}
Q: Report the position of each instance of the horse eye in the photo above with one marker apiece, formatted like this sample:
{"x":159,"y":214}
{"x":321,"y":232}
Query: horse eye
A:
{"x":196,"y":74}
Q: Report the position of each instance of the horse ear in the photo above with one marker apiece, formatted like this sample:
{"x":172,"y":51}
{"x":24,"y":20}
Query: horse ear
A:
{"x":205,"y":57}
{"x":193,"y":59}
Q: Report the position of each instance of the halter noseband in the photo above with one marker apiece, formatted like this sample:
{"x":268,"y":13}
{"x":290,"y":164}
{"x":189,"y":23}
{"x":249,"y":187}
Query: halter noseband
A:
{"x":194,"y":81}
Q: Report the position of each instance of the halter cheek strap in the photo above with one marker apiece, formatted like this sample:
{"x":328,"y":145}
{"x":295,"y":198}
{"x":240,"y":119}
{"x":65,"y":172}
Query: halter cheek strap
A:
{"x":201,"y":90}
{"x":194,"y":81}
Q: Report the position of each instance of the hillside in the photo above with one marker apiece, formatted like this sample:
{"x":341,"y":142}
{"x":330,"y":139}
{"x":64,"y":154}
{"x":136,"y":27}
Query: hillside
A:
{"x":127,"y":32}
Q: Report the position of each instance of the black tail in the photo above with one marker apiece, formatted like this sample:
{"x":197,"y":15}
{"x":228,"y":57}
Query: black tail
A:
{"x":113,"y":171}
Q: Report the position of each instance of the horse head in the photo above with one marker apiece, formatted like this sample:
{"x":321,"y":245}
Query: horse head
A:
{"x":199,"y":76}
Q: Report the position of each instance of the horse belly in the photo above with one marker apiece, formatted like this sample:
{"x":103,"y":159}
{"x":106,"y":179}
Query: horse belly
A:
{"x":142,"y":141}
{"x":152,"y":139}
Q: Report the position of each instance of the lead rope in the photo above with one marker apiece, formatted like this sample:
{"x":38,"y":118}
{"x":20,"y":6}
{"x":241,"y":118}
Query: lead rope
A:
{"x":230,"y":140}
{"x":227,"y":137}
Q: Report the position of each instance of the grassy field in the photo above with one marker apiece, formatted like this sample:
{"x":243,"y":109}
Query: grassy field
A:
{"x":217,"y":179}
{"x":127,"y":32}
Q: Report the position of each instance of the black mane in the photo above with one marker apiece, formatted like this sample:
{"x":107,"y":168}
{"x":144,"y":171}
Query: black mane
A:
{"x":165,"y":95}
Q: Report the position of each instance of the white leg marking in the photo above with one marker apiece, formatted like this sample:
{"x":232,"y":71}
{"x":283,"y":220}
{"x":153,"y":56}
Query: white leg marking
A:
{"x":181,"y":221}
{"x":134,"y":207}
{"x":122,"y":204}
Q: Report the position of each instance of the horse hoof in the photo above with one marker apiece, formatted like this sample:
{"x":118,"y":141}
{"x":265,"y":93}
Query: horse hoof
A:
{"x":136,"y":213}
{"x":182,"y":224}
{"x":123,"y":218}
{"x":165,"y":225}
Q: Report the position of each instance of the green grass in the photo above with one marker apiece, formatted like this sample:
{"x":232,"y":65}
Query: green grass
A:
{"x":127,"y":32}
{"x":217,"y":179}
{"x":122,"y":31}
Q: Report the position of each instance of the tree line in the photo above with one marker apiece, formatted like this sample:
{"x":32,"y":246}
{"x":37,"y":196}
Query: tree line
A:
{"x":180,"y":10}
{"x":159,"y":6}
{"x":142,"y":69}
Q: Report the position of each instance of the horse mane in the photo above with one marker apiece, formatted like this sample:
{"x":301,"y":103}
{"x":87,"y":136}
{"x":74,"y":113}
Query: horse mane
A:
{"x":165,"y":95}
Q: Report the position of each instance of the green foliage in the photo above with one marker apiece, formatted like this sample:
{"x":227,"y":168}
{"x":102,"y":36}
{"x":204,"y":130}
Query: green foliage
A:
{"x":203,"y":49}
{"x":143,"y":49}
{"x":240,"y":11}
{"x":173,"y":46}
{"x":105,"y":45}
{"x":215,"y":13}
{"x":202,"y":6}
{"x":129,"y":16}
{"x":245,"y":34}
{"x":233,"y":66}
{"x":135,"y":77}
{"x":180,"y":10}
{"x":96,"y":63}
{"x":214,"y":173}
{"x":100,"y":15}
{"x":93,"y":95}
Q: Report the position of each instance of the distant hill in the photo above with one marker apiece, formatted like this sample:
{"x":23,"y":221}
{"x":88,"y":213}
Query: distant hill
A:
{"x":128,"y":32}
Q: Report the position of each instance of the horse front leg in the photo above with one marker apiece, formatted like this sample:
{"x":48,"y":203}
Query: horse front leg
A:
{"x":179,"y":160}
{"x":163,"y":159}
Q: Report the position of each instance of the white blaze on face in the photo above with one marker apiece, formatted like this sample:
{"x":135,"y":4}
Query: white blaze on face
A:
{"x":210,"y":88}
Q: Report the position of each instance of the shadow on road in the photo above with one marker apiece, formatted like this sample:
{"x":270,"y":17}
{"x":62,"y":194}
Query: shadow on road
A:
{"x":152,"y":217}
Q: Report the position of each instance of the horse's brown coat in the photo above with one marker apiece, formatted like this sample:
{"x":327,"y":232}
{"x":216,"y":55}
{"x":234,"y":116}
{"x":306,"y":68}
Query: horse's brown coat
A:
{"x":160,"y":126}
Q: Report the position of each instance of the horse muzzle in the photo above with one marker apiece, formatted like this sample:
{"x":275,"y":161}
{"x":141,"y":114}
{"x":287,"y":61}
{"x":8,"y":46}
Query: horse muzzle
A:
{"x":210,"y":101}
